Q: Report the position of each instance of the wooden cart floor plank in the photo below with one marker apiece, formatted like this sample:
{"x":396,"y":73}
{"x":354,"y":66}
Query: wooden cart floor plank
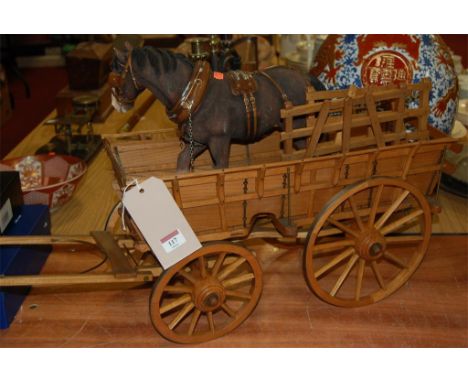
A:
{"x":430,"y":311}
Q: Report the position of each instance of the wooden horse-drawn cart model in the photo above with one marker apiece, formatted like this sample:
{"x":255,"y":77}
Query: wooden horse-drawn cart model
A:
{"x":359,"y":193}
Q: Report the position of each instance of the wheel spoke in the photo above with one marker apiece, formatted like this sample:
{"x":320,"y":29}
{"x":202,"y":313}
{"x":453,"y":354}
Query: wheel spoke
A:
{"x":338,"y":259}
{"x":400,"y":222}
{"x":391,"y":209}
{"x":355,"y":213}
{"x":175,"y":289}
{"x":194,"y":321}
{"x":329,"y":232}
{"x":393,"y":259}
{"x":331,"y":246}
{"x":174,"y":304}
{"x":375,"y":205}
{"x":234,"y":293}
{"x":228,"y":310}
{"x":188,"y":276}
{"x":238,"y":280}
{"x":377,"y":274}
{"x":218,"y":264}
{"x":341,"y":226}
{"x":359,"y":277}
{"x":202,"y":266}
{"x":403,"y":239}
{"x":211,"y":321}
{"x":231,"y":268}
{"x":181,"y":315}
{"x":344,"y":275}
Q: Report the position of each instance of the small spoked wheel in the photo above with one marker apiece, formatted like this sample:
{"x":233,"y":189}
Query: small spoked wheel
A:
{"x":367,"y":241}
{"x":206,"y":295}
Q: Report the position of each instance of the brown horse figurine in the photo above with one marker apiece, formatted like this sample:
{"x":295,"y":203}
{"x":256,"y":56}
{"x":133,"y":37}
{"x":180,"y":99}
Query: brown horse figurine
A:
{"x":219,"y":117}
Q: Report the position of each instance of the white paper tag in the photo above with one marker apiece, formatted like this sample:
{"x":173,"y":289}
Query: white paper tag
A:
{"x":160,"y":220}
{"x":6,"y":213}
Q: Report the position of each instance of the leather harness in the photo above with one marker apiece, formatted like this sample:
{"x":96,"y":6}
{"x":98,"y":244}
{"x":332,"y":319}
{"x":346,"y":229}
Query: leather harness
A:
{"x":241,"y":83}
{"x":193,"y":93}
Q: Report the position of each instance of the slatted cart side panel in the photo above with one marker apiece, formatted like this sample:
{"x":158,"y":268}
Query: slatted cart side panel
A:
{"x":218,"y":204}
{"x":357,"y":119}
{"x":199,"y":200}
{"x":266,"y":150}
{"x":426,"y":165}
{"x":241,"y":188}
{"x":296,"y":190}
{"x":143,"y":152}
{"x":148,"y":156}
{"x":316,"y":181}
{"x":222,"y":204}
{"x":269,"y":189}
{"x":390,"y":162}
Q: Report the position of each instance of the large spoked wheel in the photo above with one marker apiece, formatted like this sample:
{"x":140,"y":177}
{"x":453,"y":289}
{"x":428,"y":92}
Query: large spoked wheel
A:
{"x":206,"y":295}
{"x":367,"y":241}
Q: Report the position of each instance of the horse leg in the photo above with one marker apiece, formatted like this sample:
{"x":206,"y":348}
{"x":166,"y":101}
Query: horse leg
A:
{"x":219,"y":149}
{"x":183,"y":160}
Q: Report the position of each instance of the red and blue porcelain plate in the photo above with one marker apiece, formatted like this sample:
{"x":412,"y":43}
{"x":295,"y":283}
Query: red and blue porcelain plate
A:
{"x":364,"y":60}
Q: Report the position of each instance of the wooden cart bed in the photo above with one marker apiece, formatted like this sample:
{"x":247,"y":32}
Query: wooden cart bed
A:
{"x":351,"y":135}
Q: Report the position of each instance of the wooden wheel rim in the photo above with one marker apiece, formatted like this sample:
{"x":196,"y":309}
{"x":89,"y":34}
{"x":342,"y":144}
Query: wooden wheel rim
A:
{"x":403,"y":276}
{"x":164,"y":280}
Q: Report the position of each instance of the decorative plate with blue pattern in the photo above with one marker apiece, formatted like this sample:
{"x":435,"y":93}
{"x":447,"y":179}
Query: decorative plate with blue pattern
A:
{"x":363,"y":60}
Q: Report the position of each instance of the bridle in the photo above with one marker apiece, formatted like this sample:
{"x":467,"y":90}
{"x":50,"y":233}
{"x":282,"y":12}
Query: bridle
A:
{"x":116,"y":81}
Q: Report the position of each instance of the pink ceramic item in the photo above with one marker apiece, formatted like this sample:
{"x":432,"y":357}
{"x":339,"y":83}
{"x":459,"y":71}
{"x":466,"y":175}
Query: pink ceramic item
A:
{"x":47,"y":179}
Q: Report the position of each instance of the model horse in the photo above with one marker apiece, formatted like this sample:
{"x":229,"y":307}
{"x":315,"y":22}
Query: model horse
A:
{"x":202,"y":103}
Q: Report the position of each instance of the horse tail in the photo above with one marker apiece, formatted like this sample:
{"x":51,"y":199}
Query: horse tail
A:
{"x":316,"y":83}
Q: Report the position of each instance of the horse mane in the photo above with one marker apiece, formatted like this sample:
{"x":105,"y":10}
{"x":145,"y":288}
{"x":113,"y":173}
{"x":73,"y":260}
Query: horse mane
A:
{"x":161,"y":60}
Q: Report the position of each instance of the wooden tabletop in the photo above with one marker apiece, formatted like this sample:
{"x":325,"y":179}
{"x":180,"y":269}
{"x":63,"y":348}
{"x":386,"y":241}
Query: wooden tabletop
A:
{"x":95,"y":196}
{"x":429,"y":311}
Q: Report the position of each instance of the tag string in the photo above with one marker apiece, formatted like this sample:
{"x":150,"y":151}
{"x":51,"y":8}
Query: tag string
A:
{"x":134,"y":182}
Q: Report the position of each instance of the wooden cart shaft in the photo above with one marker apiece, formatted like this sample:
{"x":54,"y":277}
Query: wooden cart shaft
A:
{"x":123,"y":270}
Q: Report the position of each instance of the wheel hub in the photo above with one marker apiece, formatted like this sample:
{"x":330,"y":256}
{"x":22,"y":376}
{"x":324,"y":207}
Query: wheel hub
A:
{"x":370,"y":245}
{"x":209,"y":294}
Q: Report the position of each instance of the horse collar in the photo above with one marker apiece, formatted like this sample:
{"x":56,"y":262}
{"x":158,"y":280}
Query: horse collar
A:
{"x":193,"y":93}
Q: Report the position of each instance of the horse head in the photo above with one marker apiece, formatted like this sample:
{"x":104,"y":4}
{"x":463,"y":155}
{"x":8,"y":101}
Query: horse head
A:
{"x":125,"y":88}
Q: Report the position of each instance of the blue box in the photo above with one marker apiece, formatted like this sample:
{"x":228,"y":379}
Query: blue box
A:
{"x":11,"y":197}
{"x":24,"y":259}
